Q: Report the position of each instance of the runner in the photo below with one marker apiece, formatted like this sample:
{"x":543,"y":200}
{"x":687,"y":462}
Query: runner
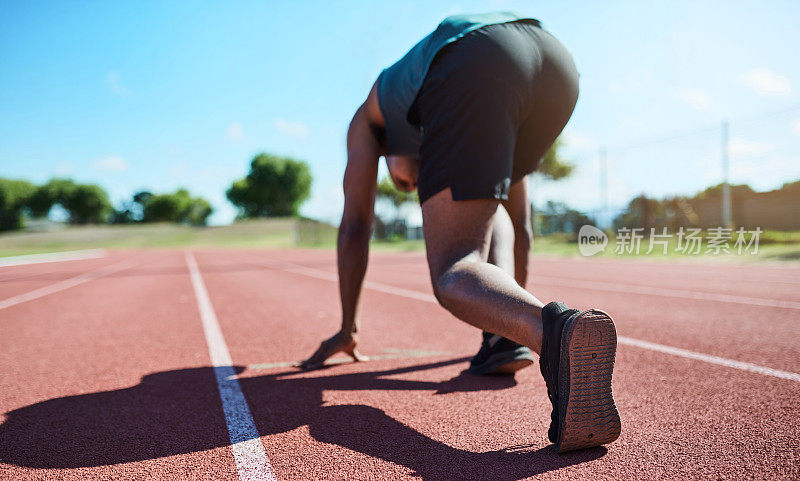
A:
{"x":463,"y":118}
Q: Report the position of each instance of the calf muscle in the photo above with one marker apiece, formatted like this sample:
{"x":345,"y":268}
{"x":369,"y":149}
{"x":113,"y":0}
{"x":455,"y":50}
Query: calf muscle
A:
{"x":457,"y":237}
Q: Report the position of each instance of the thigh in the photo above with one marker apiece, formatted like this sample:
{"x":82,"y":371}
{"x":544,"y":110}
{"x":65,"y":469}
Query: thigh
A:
{"x":456,"y":230}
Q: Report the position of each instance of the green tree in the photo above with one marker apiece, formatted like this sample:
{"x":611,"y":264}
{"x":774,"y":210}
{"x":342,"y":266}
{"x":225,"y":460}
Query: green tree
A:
{"x":553,"y":166}
{"x":197,"y":212}
{"x":559,"y":217}
{"x":642,"y":212}
{"x":55,"y":191}
{"x":123,"y":215}
{"x":14,"y":196}
{"x":387,"y":227}
{"x":387,"y":190}
{"x":87,"y":204}
{"x":736,"y":190}
{"x":166,"y":207}
{"x":275,"y":186}
{"x":179,"y":207}
{"x":141,"y":197}
{"x":131,"y":211}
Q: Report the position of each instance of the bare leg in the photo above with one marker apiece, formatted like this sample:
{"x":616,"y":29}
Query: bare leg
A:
{"x":501,"y":247}
{"x":458,"y":238}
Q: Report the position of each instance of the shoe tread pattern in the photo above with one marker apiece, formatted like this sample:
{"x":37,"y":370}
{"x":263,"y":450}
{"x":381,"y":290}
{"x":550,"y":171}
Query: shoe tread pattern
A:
{"x":587,"y":412}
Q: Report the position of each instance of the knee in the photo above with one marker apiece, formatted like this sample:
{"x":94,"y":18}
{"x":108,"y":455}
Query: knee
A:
{"x":449,"y":285}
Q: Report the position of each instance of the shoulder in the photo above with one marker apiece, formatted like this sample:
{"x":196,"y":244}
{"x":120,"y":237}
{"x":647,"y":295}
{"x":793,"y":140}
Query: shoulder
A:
{"x":372,"y":107}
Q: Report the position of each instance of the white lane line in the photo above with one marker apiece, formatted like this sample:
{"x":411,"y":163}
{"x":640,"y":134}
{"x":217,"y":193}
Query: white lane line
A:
{"x":375,"y":286}
{"x":744,"y":366}
{"x":52,"y":257}
{"x":664,"y":292}
{"x":658,"y":291}
{"x":67,"y":283}
{"x":674,"y":351}
{"x":248,"y":451}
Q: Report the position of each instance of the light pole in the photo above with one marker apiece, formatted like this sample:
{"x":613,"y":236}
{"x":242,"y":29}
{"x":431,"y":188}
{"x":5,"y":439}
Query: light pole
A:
{"x":726,"y":186}
{"x":604,"y":184}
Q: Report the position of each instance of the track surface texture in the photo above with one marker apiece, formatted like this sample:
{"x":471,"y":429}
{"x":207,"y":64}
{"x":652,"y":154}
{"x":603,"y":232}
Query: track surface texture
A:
{"x":112,"y":368}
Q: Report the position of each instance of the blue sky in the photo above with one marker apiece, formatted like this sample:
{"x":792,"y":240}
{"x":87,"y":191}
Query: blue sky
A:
{"x":161,"y":95}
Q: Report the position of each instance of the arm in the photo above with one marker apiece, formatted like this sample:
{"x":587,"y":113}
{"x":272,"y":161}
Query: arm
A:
{"x":360,"y":181}
{"x":519,"y":209}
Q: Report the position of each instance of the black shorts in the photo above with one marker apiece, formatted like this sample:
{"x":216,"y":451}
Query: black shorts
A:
{"x":491,"y":105}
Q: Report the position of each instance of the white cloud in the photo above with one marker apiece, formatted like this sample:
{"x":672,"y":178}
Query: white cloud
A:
{"x":695,"y":98}
{"x":112,"y":163}
{"x":747,"y":148}
{"x":291,"y":128}
{"x":764,"y":81}
{"x":115,"y":85}
{"x":235,"y":132}
{"x":796,"y":127}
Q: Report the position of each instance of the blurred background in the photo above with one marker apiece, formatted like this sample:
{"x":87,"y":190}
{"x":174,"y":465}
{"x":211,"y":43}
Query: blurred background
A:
{"x":149,"y":124}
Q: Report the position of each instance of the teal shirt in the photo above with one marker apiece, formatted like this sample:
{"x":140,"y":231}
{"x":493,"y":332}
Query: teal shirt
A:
{"x":399,"y":84}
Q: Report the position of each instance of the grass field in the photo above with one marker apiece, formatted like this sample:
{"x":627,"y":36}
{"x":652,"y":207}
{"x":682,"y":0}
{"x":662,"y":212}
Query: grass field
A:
{"x":288,"y":233}
{"x":273,"y":233}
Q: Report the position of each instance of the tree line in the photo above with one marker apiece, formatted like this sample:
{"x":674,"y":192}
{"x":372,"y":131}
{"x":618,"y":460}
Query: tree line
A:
{"x":178,"y":207}
{"x":704,"y":209}
{"x":84,"y":203}
{"x":89,"y":204}
{"x":274,"y":186}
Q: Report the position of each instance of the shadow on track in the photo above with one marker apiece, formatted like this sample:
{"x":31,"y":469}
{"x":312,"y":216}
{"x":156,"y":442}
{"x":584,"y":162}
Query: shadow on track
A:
{"x":178,"y":412}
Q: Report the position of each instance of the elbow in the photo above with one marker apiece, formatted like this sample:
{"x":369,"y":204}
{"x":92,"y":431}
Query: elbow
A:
{"x":523,"y":234}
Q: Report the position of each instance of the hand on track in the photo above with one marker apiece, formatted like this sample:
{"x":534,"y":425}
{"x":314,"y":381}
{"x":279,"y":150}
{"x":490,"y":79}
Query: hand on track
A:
{"x":341,"y":342}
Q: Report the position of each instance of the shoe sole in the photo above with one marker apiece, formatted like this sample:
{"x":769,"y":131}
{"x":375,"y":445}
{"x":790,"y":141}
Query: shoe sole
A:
{"x":512,"y":367}
{"x":502,"y":363}
{"x":588,"y":416}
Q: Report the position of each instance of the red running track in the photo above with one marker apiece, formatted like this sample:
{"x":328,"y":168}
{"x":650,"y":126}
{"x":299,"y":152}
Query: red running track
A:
{"x":112,"y":378}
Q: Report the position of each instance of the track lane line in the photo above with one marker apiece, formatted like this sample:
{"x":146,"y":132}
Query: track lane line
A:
{"x":71,"y":282}
{"x":52,"y":257}
{"x":251,"y":458}
{"x":674,"y":351}
{"x":656,"y":291}
{"x":665,"y":292}
{"x":744,"y":366}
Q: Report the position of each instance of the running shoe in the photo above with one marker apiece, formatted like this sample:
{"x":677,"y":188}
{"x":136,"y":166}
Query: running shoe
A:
{"x":499,"y":355}
{"x":577,"y":362}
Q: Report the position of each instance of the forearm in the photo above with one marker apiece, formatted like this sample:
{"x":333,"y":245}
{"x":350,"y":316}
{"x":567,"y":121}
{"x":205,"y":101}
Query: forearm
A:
{"x":352,"y":254}
{"x":522,"y":251}
{"x":359,"y":184}
{"x":519,"y":209}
